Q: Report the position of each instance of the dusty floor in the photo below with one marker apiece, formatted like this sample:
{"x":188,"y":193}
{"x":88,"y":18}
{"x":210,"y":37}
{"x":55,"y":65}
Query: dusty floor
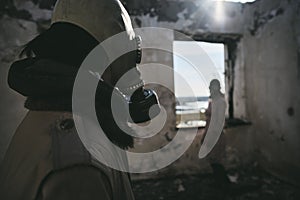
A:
{"x":244,"y":185}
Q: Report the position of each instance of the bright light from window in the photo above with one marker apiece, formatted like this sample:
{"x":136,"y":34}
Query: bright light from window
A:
{"x":189,"y":51}
{"x":219,"y":12}
{"x":219,"y":15}
{"x":190,"y":112}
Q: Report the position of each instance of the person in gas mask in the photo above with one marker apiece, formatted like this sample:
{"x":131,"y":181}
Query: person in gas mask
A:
{"x":46,"y":159}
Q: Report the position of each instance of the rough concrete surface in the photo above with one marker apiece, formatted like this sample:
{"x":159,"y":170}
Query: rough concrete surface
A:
{"x":246,"y":184}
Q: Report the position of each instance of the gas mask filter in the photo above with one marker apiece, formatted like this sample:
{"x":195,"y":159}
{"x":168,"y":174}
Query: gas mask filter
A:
{"x":143,"y":103}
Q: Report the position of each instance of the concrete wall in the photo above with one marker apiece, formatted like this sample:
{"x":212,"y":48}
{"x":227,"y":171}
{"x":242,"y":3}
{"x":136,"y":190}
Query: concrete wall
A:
{"x":271,"y":61}
{"x":189,"y":16}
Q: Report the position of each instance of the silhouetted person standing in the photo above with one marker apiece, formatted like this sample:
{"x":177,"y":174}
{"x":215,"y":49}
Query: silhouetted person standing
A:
{"x":212,"y":138}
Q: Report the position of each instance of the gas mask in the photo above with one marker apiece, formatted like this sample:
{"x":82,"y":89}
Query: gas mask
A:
{"x":131,"y":87}
{"x":141,"y":100}
{"x":103,"y":19}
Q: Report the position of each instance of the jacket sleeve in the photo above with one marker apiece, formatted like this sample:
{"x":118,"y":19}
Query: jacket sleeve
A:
{"x":76,"y":183}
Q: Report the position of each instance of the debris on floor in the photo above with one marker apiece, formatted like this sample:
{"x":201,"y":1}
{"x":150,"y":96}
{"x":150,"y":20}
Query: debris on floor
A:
{"x":246,"y":184}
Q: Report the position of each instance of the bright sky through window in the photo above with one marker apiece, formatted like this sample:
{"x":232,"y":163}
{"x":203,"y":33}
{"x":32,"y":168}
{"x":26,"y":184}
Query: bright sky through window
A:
{"x":212,"y":55}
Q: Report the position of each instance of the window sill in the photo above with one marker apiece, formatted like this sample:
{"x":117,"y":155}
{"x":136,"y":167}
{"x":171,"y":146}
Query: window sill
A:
{"x":234,"y":122}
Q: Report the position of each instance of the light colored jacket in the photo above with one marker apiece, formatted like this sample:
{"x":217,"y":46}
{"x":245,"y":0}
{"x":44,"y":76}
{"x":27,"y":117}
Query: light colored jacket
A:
{"x":46,"y":160}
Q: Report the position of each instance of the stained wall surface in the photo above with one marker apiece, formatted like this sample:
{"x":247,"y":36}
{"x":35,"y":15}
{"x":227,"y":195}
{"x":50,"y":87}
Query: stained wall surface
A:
{"x":270,"y":48}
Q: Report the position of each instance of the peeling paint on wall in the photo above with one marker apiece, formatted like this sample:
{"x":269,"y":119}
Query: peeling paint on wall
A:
{"x":8,"y":7}
{"x":164,"y":10}
{"x":260,"y":19}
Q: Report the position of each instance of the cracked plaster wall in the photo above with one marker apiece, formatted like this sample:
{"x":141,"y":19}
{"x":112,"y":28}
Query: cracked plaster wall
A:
{"x":270,"y":51}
